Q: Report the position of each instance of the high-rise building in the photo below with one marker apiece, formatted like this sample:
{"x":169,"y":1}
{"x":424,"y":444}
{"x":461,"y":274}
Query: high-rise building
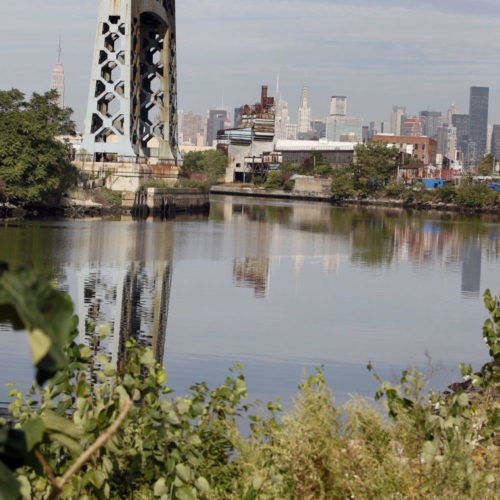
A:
{"x":411,"y":127}
{"x":396,"y":118}
{"x":461,"y":124}
{"x":338,"y":105}
{"x":344,"y":129}
{"x":495,"y":142}
{"x":319,"y":128}
{"x":57,"y":80}
{"x":431,"y":121}
{"x":304,"y":121}
{"x":447,"y":141}
{"x":215,"y":122}
{"x":190,"y":127}
{"x":478,"y":127}
{"x":452,"y":110}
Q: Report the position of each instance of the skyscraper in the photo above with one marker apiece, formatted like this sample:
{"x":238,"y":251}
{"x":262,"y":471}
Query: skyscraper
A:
{"x":396,"y":117}
{"x":461,"y":123}
{"x":431,"y":121}
{"x":57,"y":80}
{"x":338,"y":105}
{"x":495,"y":142}
{"x":478,"y":126}
{"x":215,"y":122}
{"x":304,"y":121}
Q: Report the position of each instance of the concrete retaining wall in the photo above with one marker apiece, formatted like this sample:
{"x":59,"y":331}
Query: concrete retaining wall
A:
{"x":126,"y":176}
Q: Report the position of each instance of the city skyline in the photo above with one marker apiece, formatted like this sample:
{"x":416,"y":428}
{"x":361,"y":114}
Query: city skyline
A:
{"x":367,"y":53}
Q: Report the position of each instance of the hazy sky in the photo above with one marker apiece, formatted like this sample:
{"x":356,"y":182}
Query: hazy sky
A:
{"x":423,"y":54}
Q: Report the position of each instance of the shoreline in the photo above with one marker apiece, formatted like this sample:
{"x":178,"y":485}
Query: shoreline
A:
{"x":365,"y":202}
{"x":87,"y":208}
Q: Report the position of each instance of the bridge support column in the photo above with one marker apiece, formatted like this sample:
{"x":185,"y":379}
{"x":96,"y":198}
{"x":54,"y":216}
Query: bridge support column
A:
{"x":132,"y":105}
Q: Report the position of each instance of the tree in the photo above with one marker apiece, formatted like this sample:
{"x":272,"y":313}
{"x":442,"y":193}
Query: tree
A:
{"x":212,"y":163}
{"x":374,"y":165}
{"x":34,"y":165}
{"x":486,"y":166}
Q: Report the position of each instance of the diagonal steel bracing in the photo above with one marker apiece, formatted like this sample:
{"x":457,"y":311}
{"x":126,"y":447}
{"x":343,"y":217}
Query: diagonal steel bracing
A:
{"x":132,"y":104}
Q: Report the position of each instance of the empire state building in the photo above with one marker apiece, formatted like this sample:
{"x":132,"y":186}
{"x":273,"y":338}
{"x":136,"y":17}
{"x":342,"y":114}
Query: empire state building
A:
{"x":57,"y":80}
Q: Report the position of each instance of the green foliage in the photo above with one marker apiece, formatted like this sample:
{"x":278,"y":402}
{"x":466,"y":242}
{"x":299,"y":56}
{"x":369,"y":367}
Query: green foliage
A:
{"x":374,"y":165}
{"x":486,"y":166}
{"x":47,"y":315}
{"x":33,"y":164}
{"x":212,"y":163}
{"x":343,"y":185}
{"x":323,"y":170}
{"x":107,"y":197}
{"x":475,"y":195}
{"x":394,"y":189}
{"x":35,"y":305}
{"x":74,"y":439}
{"x":274,"y":180}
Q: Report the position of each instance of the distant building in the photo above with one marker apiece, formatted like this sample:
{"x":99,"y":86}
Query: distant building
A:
{"x":190,"y":128}
{"x":396,"y":117}
{"x":249,"y":146}
{"x":411,"y":127}
{"x":447,"y":142}
{"x":431,"y":121}
{"x":319,"y":128}
{"x":57,"y":79}
{"x":344,"y":129}
{"x":304,"y":121}
{"x":495,"y":142}
{"x":478,"y":127}
{"x":378,"y":128}
{"x":336,"y":154}
{"x":338,"y":105}
{"x":422,"y":149}
{"x":461,"y":124}
{"x":215,"y":122}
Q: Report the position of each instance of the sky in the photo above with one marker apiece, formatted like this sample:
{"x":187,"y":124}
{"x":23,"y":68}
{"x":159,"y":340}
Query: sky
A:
{"x":424,"y":55}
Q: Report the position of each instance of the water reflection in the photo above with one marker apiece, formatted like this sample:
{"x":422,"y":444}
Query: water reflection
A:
{"x":372,"y":238}
{"x":273,"y":284}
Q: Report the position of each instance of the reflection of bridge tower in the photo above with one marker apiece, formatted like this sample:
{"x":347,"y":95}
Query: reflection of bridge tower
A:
{"x":124,"y":275}
{"x":132,"y":103}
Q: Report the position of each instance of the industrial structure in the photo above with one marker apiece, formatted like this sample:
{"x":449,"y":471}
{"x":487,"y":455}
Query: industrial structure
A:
{"x":132,"y":105}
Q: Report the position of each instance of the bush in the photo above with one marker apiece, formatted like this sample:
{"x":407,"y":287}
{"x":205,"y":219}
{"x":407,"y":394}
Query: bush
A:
{"x":274,"y":180}
{"x":323,"y":170}
{"x":475,"y":195}
{"x":97,"y":430}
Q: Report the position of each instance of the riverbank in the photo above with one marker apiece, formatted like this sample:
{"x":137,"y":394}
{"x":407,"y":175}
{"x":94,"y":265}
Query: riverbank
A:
{"x":163,"y":202}
{"x":325,"y":196}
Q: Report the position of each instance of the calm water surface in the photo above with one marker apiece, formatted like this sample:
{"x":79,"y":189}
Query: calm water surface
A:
{"x":280,"y":287}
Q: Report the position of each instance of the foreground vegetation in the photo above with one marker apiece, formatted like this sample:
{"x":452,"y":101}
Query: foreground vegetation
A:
{"x":94,"y":430}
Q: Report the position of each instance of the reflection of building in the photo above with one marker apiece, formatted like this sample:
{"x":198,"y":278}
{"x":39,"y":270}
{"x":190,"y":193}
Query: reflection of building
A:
{"x":124,"y":283}
{"x":252,"y":272}
{"x":471,"y":267}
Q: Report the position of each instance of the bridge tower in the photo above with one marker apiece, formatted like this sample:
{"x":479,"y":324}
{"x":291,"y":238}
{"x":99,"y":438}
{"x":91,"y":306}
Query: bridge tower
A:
{"x":132,"y":105}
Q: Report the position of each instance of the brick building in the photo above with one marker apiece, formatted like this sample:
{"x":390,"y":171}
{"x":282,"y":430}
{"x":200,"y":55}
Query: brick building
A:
{"x":422,"y":148}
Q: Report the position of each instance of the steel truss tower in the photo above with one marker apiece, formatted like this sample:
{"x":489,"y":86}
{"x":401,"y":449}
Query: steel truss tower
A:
{"x":132,"y":104}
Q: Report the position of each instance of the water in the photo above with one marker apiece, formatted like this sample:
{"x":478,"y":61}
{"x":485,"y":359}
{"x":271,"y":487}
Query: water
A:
{"x":281,"y":287}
